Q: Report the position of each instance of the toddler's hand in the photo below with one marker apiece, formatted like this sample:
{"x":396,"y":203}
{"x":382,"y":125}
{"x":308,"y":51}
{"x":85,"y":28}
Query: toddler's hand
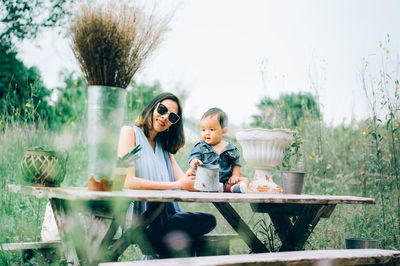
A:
{"x":233,"y":180}
{"x":194,"y":163}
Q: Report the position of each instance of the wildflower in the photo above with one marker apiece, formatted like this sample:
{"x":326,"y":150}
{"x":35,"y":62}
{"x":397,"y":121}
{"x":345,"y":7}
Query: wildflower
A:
{"x":72,"y":123}
{"x":364,"y":133}
{"x":310,"y":157}
{"x":28,"y":105}
{"x":130,"y":105}
{"x":390,"y":155}
{"x":85,"y":101}
{"x":75,"y":83}
{"x":139,"y":100}
{"x":396,"y":138}
{"x":78,"y":168}
{"x":59,"y":113}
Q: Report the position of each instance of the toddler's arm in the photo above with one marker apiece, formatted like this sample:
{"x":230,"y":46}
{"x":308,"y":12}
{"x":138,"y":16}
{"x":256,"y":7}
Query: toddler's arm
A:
{"x":237,"y":176}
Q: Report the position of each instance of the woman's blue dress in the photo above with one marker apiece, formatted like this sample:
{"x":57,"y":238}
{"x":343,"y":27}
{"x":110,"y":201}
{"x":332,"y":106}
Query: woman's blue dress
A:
{"x":155,"y":165}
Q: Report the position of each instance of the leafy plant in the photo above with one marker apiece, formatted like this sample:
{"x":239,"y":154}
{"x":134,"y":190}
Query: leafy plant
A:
{"x":128,"y":159}
{"x":292,"y":159}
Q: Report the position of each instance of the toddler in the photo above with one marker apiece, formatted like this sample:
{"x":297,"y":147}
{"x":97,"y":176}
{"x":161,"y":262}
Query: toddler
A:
{"x":213,"y":150}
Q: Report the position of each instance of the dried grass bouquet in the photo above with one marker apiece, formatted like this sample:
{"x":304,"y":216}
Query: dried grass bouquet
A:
{"x":112,"y":41}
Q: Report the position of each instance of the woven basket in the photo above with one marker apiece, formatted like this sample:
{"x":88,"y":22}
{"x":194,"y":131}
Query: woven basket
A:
{"x":46,"y":168}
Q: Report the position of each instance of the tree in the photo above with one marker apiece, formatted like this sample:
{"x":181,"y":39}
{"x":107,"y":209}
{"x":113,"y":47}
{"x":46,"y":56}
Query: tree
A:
{"x":23,"y":19}
{"x":71,"y":103}
{"x":22,"y":93}
{"x":287,"y":111}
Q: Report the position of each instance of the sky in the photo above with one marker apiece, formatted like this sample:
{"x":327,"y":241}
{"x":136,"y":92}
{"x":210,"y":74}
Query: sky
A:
{"x":231,"y":53}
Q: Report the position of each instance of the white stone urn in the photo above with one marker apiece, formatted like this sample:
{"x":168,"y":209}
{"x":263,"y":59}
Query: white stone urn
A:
{"x":263,"y":149}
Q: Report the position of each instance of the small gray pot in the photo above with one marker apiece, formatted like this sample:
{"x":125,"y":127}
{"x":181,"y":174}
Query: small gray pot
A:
{"x":207,"y":178}
{"x":357,"y":243}
{"x":292,"y":182}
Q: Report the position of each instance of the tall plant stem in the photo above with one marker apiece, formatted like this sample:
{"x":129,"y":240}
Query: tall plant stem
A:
{"x":395,"y":168}
{"x":377,"y":138}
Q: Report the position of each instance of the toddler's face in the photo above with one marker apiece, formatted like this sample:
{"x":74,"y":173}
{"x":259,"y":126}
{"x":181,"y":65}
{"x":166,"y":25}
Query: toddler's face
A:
{"x":211,"y":131}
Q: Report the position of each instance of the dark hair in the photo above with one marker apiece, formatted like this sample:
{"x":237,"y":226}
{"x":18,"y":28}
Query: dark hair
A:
{"x":172,"y":139}
{"x":221,"y":115}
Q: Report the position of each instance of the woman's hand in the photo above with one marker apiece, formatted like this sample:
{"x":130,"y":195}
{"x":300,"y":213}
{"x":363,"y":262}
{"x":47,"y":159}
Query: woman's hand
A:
{"x":190,"y":172}
{"x":187,"y":183}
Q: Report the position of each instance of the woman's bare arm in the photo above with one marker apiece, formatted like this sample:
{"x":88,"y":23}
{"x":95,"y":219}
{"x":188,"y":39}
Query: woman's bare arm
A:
{"x":178,"y":173}
{"x":127,"y":141}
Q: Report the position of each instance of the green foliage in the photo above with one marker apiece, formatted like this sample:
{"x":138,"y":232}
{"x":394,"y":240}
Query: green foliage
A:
{"x":22,"y":93}
{"x":138,"y":97}
{"x":23,"y":19}
{"x":71,"y":104}
{"x":287,"y":111}
{"x":292,"y":160}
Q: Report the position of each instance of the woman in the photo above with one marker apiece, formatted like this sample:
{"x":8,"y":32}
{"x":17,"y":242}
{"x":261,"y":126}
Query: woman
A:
{"x":160,"y":134}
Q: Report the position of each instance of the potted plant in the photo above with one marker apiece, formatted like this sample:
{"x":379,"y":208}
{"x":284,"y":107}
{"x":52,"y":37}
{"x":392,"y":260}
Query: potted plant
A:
{"x":292,"y":173}
{"x":123,"y":163}
{"x":111,"y":42}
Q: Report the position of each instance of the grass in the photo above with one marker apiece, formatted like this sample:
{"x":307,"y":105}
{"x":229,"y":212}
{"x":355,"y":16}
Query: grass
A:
{"x":344,"y":159}
{"x":347,"y":148}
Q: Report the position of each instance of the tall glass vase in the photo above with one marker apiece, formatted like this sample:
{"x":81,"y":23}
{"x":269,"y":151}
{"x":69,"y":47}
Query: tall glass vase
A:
{"x":106,"y":107}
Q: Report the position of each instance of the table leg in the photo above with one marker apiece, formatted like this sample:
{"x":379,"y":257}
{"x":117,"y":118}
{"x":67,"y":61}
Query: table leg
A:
{"x":294,"y":235}
{"x":85,"y":234}
{"x":240,"y":227}
{"x":63,"y":224}
{"x":135,"y":233}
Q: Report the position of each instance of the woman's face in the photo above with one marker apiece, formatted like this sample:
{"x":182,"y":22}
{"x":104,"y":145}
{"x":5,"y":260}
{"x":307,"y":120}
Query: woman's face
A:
{"x":161,"y":122}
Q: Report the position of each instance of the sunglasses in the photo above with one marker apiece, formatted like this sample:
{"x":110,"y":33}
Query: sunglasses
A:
{"x":162,"y":110}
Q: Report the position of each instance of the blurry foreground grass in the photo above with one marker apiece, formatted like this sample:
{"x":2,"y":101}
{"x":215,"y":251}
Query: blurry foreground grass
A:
{"x":332,"y":168}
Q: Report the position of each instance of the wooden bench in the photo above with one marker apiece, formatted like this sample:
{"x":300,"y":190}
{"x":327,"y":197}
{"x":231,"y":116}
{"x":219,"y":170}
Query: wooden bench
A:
{"x":214,"y":244}
{"x":50,"y":250}
{"x":309,"y":257}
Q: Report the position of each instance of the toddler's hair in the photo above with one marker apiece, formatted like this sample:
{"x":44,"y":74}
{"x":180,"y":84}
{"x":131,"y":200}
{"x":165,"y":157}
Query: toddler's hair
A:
{"x":221,"y":115}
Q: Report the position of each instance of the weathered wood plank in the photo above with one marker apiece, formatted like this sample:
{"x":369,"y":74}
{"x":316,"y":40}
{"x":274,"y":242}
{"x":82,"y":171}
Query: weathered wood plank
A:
{"x":74,"y":193}
{"x":31,"y":245}
{"x":312,"y":257}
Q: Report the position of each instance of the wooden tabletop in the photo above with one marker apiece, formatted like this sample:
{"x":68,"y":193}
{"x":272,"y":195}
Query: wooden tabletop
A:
{"x":81,"y":193}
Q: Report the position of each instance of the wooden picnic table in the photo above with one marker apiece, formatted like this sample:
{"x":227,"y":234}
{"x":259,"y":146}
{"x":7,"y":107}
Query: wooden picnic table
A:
{"x":93,"y":240}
